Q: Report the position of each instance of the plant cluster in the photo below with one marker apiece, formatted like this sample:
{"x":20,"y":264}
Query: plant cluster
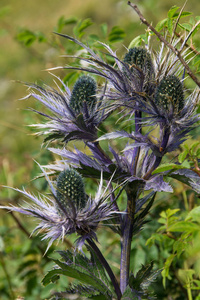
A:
{"x":146,"y":93}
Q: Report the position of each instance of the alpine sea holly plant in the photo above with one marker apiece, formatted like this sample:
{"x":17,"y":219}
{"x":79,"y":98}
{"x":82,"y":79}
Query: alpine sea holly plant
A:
{"x":146,"y":91}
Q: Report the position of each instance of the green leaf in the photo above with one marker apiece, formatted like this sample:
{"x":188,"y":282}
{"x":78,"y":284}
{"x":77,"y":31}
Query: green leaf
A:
{"x":81,"y":26}
{"x":182,"y":156}
{"x":170,"y":212}
{"x":135,"y":42}
{"x":167,"y":167}
{"x":70,"y":78}
{"x":186,"y":164}
{"x":183,"y":14}
{"x":73,"y":273}
{"x":104,"y":29}
{"x":63,"y":22}
{"x":170,"y":26}
{"x":196,"y":60}
{"x":185,"y":26}
{"x":165,"y":271}
{"x":194,"y":214}
{"x":194,"y":145}
{"x":172,"y":11}
{"x":179,"y":247}
{"x":139,"y":284}
{"x":184,"y":226}
{"x":87,"y":271}
{"x":27,"y":37}
{"x":161,"y":24}
{"x":117,"y":34}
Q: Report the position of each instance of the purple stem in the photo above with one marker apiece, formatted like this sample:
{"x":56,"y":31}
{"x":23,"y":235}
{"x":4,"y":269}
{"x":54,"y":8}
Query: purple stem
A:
{"x":107,"y":268}
{"x":162,"y":152}
{"x":138,"y":116}
{"x":127,"y":230}
{"x":138,"y":129}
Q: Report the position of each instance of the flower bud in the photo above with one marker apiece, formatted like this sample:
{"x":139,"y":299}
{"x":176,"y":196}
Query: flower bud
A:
{"x":70,"y":187}
{"x":170,"y":93}
{"x":140,"y":58}
{"x":84,"y":91}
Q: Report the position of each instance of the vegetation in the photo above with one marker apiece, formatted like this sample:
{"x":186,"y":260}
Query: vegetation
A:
{"x":165,"y":247}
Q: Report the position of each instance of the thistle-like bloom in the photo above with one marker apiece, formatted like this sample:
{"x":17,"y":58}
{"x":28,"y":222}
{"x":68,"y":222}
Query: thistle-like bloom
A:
{"x":83,"y":94}
{"x":74,"y":115}
{"x":139,"y":59}
{"x":131,"y":79}
{"x":128,"y":166}
{"x":69,"y":210}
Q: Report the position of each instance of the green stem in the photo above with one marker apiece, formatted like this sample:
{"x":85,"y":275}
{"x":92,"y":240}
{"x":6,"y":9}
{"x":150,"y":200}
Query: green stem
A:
{"x":189,"y":292}
{"x":7,"y":276}
{"x":107,"y":268}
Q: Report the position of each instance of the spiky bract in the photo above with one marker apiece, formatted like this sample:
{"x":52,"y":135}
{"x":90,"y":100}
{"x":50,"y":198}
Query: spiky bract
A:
{"x":84,"y":91}
{"x":169,"y":94}
{"x":70,"y":188}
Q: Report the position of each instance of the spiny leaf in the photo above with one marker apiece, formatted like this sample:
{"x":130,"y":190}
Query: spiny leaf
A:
{"x":188,"y":177}
{"x":87,"y":271}
{"x":72,"y":272}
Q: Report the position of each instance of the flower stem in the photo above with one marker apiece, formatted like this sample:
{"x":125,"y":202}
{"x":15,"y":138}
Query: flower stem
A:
{"x":107,"y":267}
{"x":138,"y":129}
{"x":158,"y":160}
{"x":12,"y":295}
{"x":127,"y":232}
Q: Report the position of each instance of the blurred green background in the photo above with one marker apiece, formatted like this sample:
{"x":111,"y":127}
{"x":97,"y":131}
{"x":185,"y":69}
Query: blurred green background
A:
{"x":19,"y":62}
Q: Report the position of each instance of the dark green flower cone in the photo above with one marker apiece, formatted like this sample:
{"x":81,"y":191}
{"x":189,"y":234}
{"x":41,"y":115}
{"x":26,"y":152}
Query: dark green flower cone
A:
{"x":140,"y":58}
{"x":84,"y":91}
{"x":70,"y":187}
{"x":170,"y":92}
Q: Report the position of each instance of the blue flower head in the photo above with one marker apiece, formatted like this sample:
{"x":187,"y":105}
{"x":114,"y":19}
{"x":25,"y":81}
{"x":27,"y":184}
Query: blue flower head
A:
{"x":169,"y":94}
{"x":83,"y":93}
{"x":139,"y":60}
{"x":69,"y":210}
{"x":70,"y":186}
{"x":73,"y":115}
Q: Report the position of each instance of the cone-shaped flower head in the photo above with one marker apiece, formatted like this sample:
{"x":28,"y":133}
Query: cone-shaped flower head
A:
{"x":169,"y":94}
{"x":140,"y":58}
{"x":69,"y":210}
{"x":84,"y":91}
{"x":70,"y":187}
